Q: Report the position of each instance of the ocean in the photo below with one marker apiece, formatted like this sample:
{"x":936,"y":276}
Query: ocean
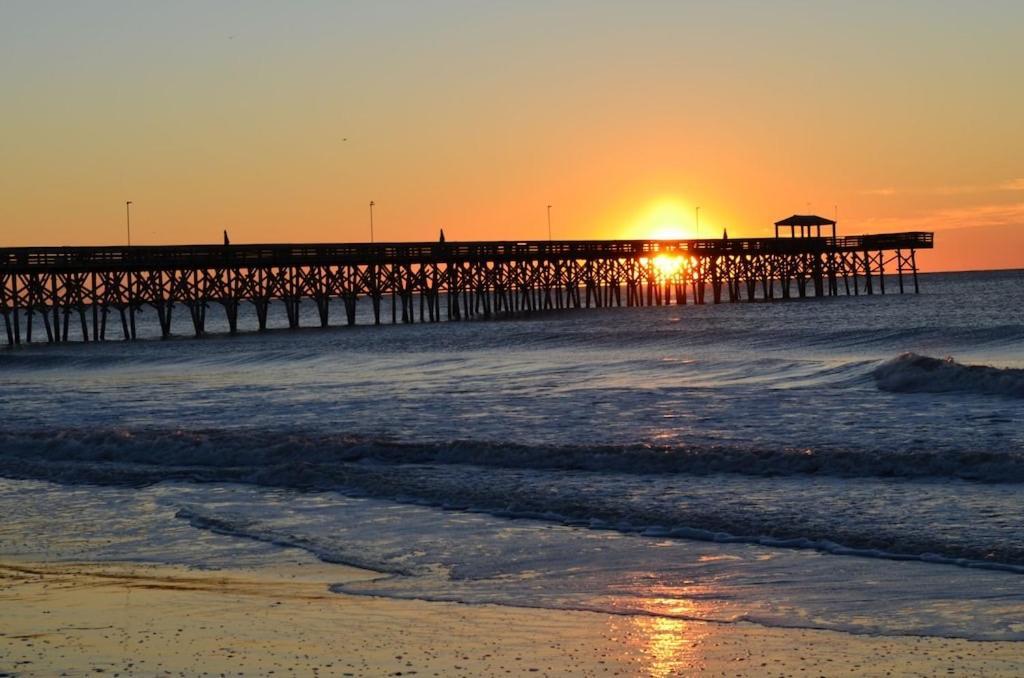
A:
{"x":851,"y":463}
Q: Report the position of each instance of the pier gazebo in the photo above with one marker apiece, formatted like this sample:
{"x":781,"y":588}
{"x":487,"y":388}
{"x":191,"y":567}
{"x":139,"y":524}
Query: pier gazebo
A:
{"x":807,"y":223}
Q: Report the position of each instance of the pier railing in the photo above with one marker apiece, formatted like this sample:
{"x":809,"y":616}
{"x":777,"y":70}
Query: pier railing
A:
{"x":173,"y":256}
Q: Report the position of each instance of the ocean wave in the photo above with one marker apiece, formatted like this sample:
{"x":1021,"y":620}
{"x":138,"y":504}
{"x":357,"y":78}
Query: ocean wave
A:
{"x":913,"y":373}
{"x":221,"y":352}
{"x":473,"y":559}
{"x":236,"y":526}
{"x":288,"y":458}
{"x":666,"y":327}
{"x":655,"y":491}
{"x":331,"y":551}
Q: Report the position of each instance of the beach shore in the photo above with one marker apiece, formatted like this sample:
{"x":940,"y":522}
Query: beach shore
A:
{"x":132,"y":619}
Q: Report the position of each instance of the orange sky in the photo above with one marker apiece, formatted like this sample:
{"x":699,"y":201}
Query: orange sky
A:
{"x":281,"y":121}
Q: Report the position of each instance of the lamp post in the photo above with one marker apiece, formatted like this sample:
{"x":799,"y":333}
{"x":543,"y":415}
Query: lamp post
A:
{"x":697,"y":223}
{"x":371,"y":220}
{"x":549,"y":222}
{"x":128,"y":219}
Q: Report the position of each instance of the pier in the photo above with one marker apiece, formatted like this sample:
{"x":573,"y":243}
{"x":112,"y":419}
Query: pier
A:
{"x":94,"y":293}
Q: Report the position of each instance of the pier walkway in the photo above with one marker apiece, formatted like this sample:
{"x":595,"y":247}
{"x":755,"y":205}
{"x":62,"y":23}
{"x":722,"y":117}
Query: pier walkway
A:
{"x":75,"y":291}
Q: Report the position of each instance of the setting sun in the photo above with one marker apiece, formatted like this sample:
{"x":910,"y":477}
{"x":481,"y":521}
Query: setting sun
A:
{"x":667,"y":265}
{"x":666,"y":219}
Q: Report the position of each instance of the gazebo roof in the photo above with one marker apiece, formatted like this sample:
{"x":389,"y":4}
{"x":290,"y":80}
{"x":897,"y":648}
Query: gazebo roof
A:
{"x":805,"y":220}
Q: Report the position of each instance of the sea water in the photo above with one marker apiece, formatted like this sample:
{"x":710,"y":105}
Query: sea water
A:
{"x":854,"y":463}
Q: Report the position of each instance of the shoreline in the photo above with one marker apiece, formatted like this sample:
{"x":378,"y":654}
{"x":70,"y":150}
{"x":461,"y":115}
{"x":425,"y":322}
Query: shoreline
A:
{"x":129,"y":618}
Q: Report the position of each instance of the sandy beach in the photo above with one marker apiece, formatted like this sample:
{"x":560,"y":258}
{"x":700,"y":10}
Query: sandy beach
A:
{"x":131,"y":619}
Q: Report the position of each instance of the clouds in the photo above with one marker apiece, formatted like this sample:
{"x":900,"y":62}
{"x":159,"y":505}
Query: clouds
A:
{"x":973,"y":216}
{"x":1011,"y":185}
{"x":996,"y":206}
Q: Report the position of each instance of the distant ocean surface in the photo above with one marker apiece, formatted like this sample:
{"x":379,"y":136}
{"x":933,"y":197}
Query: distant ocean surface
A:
{"x":854,"y":463}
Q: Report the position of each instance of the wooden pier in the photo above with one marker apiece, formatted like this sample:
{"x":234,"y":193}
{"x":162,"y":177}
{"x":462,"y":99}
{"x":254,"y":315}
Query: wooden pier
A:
{"x":81,"y":293}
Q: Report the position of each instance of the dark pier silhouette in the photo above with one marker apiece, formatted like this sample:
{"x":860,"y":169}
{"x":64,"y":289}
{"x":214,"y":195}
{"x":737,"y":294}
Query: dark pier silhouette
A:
{"x":83,"y":292}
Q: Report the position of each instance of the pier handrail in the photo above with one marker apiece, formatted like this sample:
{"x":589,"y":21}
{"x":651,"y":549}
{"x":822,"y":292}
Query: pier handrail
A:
{"x":274,"y":254}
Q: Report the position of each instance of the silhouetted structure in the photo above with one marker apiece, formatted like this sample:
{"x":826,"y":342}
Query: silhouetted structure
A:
{"x":454,"y":279}
{"x":806,"y":223}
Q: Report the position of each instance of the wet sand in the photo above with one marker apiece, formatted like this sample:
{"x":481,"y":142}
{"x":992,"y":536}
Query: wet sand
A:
{"x":78,"y":619}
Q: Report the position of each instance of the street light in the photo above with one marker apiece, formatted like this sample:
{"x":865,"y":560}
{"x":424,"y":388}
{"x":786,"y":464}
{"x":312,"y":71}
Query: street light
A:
{"x":128,"y":219}
{"x":549,"y":222}
{"x":371,"y":220}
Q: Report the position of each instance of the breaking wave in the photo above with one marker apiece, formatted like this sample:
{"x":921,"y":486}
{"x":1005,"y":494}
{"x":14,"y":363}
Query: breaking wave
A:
{"x":913,"y":373}
{"x":658,"y":491}
{"x":305,"y":460}
{"x":331,"y":551}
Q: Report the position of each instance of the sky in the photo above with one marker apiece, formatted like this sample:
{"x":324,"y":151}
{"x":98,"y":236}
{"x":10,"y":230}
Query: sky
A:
{"x":281,"y":121}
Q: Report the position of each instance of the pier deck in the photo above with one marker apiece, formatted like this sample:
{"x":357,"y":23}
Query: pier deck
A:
{"x":452,"y":280}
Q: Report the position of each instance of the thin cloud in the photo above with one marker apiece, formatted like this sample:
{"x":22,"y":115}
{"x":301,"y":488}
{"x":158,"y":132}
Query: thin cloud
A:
{"x":959,"y":190}
{"x":960,"y":217}
{"x":1010,"y":185}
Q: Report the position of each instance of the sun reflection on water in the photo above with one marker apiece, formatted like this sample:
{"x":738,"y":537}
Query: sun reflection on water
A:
{"x":673,"y":646}
{"x":667,"y":640}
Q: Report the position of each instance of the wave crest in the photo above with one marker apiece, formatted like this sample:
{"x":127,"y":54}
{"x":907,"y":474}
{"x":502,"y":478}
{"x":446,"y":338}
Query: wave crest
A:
{"x":913,"y":373}
{"x":301,"y":459}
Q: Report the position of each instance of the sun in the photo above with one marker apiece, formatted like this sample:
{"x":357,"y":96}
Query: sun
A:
{"x":667,"y":265}
{"x":668,"y":232}
{"x":664,"y":219}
